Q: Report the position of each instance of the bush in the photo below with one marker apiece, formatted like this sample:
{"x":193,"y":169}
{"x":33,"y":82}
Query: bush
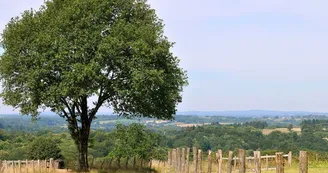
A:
{"x":43,"y":148}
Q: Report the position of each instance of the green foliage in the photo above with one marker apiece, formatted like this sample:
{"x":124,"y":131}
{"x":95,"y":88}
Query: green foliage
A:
{"x":135,"y":141}
{"x":13,"y":146}
{"x":4,"y":154}
{"x":66,"y":52}
{"x":44,"y":148}
{"x":290,"y":127}
{"x":255,"y":124}
{"x":100,"y":144}
{"x":69,"y":152}
{"x":233,"y":137}
{"x":314,"y":126}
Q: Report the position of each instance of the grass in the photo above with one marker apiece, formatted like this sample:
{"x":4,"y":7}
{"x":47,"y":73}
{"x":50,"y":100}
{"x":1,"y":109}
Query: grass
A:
{"x":321,"y":167}
{"x":312,"y":169}
{"x":160,"y":167}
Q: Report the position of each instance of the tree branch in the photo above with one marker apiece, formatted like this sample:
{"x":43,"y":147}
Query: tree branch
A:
{"x":77,"y":108}
{"x":63,"y":100}
{"x":66,"y":115}
{"x":101,"y":99}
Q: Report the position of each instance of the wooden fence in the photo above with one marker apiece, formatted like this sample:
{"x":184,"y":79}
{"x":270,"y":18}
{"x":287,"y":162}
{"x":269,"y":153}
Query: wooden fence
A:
{"x":28,"y":166}
{"x":178,"y":160}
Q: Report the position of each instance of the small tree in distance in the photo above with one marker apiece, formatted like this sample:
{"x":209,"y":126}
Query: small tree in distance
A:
{"x":290,"y":127}
{"x":76,"y":56}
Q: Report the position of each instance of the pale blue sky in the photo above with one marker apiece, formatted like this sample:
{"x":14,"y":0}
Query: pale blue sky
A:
{"x":241,"y":54}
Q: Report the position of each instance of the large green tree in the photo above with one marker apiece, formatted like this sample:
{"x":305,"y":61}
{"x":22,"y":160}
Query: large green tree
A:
{"x":75,"y":56}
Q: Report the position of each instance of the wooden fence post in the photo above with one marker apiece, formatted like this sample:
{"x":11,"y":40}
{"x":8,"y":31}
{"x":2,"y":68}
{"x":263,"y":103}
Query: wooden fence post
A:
{"x":13,"y":165}
{"x":219,"y":159}
{"x":257,"y":161}
{"x":209,"y":162}
{"x":183,"y":160}
{"x":51,"y":166}
{"x":169,"y":157}
{"x":195,"y":159}
{"x":303,"y":167}
{"x":1,"y":165}
{"x":242,"y":161}
{"x":45,"y":164}
{"x":229,"y":166}
{"x":6,"y":166}
{"x":200,"y":161}
{"x":174,"y":157}
{"x":19,"y":166}
{"x":26,"y":166}
{"x":267,"y":162}
{"x":290,"y":158}
{"x":39,"y":166}
{"x":234,"y":163}
{"x":187,"y":161}
{"x":33,"y":166}
{"x":178,"y":160}
{"x":279,"y":163}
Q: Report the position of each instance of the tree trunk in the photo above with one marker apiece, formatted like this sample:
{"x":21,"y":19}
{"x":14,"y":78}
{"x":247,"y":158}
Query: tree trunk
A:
{"x":81,"y":137}
{"x":83,"y":154}
{"x":102,"y":163}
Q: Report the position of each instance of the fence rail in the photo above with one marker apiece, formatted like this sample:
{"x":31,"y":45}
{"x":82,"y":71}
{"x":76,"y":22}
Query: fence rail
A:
{"x":28,"y":166}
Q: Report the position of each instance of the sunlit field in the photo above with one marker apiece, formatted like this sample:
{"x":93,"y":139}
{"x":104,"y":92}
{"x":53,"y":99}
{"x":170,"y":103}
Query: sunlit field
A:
{"x":321,"y":167}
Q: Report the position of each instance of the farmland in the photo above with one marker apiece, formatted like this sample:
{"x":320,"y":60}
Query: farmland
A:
{"x":108,"y":122}
{"x":283,"y":130}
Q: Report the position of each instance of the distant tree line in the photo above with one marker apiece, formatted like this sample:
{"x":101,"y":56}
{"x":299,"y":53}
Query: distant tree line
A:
{"x":136,"y":144}
{"x":255,"y":124}
{"x":231,"y":137}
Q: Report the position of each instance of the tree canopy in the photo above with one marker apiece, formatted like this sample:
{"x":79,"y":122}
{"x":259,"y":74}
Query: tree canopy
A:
{"x":68,"y":51}
{"x":75,"y":56}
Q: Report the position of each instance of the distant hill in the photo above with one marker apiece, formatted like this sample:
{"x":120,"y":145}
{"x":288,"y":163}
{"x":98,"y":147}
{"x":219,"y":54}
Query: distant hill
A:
{"x":251,"y":113}
{"x":247,"y":113}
